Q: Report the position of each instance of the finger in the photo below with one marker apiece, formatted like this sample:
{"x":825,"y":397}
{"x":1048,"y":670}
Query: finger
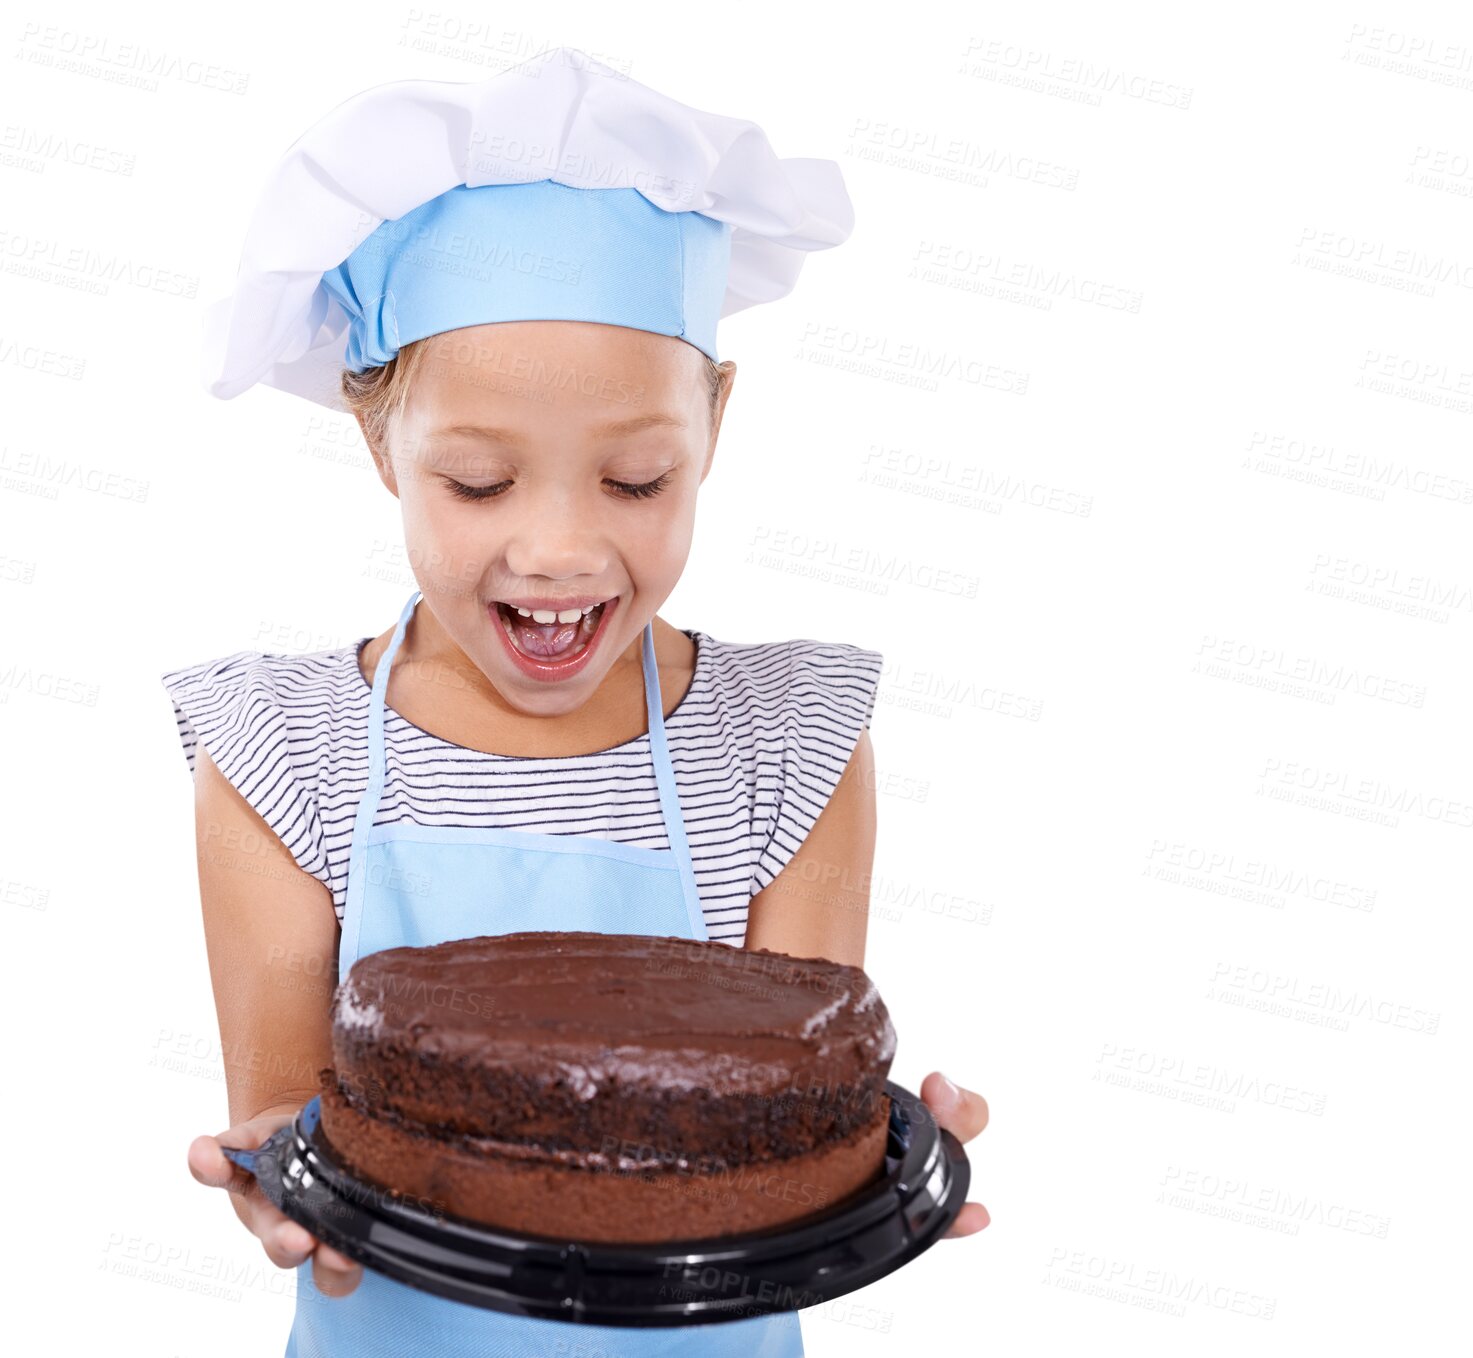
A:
{"x":263,"y":1217}
{"x":208,"y":1164}
{"x":286,"y":1244}
{"x":972,"y":1218}
{"x":334,"y":1274}
{"x":961,"y":1111}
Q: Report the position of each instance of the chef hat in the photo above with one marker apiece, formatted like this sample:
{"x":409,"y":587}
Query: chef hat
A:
{"x":559,"y":189}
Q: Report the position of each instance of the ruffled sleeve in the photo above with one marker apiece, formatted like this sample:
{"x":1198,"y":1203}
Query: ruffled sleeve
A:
{"x":826,"y":702}
{"x":233,"y":708}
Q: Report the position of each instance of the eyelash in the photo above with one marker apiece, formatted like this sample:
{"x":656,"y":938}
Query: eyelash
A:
{"x":641,"y":492}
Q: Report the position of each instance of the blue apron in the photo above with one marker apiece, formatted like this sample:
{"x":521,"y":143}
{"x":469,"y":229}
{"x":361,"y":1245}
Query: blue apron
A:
{"x":422,"y":884}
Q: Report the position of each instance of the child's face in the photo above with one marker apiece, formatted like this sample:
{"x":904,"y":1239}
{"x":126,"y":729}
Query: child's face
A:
{"x":554,"y":527}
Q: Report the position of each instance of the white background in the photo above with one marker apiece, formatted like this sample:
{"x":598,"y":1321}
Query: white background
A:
{"x":1131,"y":425}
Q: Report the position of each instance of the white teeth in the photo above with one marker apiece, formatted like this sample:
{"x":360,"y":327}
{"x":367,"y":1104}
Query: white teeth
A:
{"x":547,"y":615}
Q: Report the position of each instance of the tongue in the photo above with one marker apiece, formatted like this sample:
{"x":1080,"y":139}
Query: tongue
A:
{"x":551,"y":640}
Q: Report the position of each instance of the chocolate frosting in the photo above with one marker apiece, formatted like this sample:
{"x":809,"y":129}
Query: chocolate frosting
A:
{"x":628,"y":1048}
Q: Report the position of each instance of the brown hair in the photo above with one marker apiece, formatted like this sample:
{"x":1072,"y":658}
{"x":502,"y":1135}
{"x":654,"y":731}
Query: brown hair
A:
{"x":377,"y":396}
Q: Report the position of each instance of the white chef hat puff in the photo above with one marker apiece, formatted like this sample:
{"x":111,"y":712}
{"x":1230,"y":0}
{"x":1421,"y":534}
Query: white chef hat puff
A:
{"x":561,"y":116}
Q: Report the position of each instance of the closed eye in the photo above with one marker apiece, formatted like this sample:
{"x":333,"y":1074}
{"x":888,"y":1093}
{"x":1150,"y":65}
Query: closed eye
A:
{"x":475,"y":492}
{"x":646,"y":490}
{"x":634,"y":491}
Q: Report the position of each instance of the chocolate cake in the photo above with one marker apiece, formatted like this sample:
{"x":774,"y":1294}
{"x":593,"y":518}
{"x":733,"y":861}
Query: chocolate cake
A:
{"x":609,"y":1087}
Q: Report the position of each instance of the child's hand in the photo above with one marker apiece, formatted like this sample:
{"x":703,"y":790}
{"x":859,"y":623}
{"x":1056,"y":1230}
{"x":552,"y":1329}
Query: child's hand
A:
{"x":963,"y":1114}
{"x":286,"y":1243}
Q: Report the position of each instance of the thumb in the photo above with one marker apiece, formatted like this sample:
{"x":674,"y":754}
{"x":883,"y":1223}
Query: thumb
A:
{"x":208,"y":1164}
{"x":961,"y":1111}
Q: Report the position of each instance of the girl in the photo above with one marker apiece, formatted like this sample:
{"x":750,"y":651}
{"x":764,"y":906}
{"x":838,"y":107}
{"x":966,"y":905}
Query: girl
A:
{"x":532,"y":365}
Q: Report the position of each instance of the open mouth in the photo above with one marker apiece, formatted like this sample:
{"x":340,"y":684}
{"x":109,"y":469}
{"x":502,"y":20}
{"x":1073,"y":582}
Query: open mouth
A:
{"x":546,"y":637}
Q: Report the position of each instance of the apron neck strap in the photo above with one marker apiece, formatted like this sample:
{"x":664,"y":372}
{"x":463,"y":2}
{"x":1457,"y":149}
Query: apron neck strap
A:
{"x":373,"y":793}
{"x":665,"y":778}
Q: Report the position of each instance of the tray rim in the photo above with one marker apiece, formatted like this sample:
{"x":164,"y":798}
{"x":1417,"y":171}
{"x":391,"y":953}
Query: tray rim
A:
{"x":929,"y":1158}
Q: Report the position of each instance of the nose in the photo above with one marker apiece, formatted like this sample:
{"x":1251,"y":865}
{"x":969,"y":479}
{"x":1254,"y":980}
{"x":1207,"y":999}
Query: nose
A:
{"x":550,"y":539}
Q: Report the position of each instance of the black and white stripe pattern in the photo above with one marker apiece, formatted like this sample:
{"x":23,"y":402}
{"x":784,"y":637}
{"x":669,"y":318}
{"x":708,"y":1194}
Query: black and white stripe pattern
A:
{"x":757,"y":744}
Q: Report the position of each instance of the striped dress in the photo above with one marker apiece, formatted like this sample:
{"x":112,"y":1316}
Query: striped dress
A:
{"x":757,"y":744}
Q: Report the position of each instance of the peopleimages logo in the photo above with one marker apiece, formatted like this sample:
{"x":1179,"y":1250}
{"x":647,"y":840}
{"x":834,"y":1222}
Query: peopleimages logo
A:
{"x":1367,"y":792}
{"x":1285,"y":993}
{"x":1125,"y":1281}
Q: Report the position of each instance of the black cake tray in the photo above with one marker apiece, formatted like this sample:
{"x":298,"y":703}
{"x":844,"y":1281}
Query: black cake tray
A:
{"x":685,"y":1282}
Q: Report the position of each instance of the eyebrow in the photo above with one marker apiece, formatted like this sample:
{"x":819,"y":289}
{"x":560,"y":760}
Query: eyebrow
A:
{"x":616,"y":429}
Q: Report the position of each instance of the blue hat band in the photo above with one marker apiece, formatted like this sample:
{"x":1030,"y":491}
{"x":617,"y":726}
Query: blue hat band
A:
{"x":529,"y":252}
